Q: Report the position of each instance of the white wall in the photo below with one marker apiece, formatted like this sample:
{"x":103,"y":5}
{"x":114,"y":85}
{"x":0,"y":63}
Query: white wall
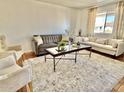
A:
{"x":81,"y":23}
{"x":20,"y":19}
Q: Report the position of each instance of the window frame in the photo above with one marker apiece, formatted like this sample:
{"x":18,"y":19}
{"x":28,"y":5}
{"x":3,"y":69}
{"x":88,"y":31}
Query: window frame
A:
{"x":106,"y":16}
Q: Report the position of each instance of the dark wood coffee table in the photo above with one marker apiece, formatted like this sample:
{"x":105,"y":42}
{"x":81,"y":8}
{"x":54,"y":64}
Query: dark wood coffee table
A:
{"x":68,"y":49}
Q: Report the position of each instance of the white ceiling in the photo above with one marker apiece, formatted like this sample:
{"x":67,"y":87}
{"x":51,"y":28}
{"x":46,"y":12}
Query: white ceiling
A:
{"x":78,"y":3}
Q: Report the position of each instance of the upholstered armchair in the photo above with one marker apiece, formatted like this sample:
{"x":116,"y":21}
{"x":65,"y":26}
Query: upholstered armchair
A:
{"x":4,"y":48}
{"x":12,"y":76}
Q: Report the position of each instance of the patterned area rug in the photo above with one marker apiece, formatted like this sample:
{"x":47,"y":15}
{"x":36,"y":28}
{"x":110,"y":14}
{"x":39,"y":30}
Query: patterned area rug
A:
{"x":95,"y":74}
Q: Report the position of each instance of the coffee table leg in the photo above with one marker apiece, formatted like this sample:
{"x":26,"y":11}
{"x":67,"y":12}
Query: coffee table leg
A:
{"x":75,"y":57}
{"x":90,"y":52}
{"x":45,"y":58}
{"x":54,"y":65}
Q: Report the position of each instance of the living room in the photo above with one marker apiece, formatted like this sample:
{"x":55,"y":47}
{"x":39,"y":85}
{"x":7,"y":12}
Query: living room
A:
{"x":62,"y":45}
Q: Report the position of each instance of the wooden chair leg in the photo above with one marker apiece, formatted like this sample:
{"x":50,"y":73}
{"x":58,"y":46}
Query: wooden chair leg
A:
{"x":30,"y":86}
{"x":23,"y":89}
{"x":26,"y":88}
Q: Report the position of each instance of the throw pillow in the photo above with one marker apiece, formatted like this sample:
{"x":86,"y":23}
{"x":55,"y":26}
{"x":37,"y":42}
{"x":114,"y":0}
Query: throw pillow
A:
{"x":65,"y":38}
{"x":114,"y":44}
{"x":85,"y":39}
{"x":110,"y":41}
{"x":7,"y":60}
{"x":38,"y":39}
{"x":78,"y":39}
{"x":101,"y":41}
{"x":92,"y":39}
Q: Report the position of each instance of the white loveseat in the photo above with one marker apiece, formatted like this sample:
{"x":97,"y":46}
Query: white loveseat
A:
{"x":113,"y":47}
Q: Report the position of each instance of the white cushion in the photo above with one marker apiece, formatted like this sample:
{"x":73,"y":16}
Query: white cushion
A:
{"x":38,"y":39}
{"x":7,"y":61}
{"x":92,"y":39}
{"x":85,"y":39}
{"x":78,"y":39}
{"x":108,"y":47}
{"x":110,"y":41}
{"x":101,"y":41}
{"x":114,"y":42}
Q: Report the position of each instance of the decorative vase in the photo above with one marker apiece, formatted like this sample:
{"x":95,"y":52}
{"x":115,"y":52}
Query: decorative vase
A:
{"x":78,"y":43}
{"x":80,"y":32}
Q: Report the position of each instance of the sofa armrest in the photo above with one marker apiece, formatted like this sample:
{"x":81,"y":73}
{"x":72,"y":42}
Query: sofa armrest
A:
{"x":26,"y":69}
{"x":120,"y":48}
{"x":16,"y":48}
{"x":35,"y":46}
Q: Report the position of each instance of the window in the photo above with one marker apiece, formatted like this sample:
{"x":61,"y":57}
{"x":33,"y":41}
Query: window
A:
{"x":104,"y":23}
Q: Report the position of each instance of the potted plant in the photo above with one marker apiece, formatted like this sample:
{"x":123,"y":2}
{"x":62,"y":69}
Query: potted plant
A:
{"x":61,"y":45}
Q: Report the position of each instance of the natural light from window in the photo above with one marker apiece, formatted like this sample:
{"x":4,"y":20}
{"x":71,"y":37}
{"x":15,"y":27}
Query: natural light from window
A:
{"x":104,"y":23}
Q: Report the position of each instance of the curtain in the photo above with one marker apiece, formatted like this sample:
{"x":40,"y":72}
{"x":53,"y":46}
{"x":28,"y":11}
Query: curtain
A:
{"x":91,"y":21}
{"x":119,"y":21}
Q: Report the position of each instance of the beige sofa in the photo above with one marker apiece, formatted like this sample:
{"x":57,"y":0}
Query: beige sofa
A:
{"x":113,"y":47}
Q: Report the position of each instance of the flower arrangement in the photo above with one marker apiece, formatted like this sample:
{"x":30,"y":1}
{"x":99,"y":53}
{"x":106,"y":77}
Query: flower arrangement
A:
{"x":61,"y":45}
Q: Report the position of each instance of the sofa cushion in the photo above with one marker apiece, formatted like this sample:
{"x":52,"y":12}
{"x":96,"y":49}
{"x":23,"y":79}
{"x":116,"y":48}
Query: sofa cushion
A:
{"x":48,"y":45}
{"x":51,"y":38}
{"x":101,"y":41}
{"x":44,"y":46}
{"x":109,"y":47}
